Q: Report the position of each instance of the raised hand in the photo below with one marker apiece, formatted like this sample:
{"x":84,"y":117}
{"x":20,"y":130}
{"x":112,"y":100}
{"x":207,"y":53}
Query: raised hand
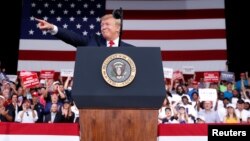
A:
{"x":44,"y":25}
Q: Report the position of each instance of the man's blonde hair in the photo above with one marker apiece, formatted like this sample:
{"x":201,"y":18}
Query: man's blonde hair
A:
{"x":110,"y":16}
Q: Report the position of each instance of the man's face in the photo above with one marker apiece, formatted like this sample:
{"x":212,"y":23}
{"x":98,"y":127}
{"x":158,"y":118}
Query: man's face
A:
{"x":109,"y":29}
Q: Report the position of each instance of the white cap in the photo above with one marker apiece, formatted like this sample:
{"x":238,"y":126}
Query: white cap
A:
{"x":230,"y":105}
{"x":2,"y":97}
{"x":56,"y":82}
{"x":181,"y":105}
{"x":247,"y":101}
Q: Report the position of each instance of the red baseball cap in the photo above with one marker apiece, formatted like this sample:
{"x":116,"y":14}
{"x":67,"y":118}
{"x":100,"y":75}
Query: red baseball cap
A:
{"x":195,"y":83}
{"x":35,"y":94}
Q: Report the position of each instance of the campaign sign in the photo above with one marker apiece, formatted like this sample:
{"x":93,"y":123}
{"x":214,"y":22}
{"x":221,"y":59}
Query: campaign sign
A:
{"x":30,"y":81}
{"x":212,"y":77}
{"x":227,"y":76}
{"x":188,"y":70}
{"x":47,"y":74}
{"x":25,"y":73}
{"x":67,"y":72}
{"x":168,"y":72}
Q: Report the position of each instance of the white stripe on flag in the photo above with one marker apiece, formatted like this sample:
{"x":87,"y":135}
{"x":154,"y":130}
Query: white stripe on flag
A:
{"x":168,"y":45}
{"x":188,"y":24}
{"x":26,"y":137}
{"x":164,"y":5}
{"x":199,"y":66}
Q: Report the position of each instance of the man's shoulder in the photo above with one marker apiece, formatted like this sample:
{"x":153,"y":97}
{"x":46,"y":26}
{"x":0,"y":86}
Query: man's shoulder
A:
{"x":124,"y":44}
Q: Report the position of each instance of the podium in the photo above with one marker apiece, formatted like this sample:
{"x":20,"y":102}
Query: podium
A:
{"x":116,"y":112}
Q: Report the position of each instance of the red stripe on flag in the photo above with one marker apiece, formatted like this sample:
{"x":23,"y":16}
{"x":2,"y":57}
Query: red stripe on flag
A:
{"x":40,"y":129}
{"x":47,"y":55}
{"x":194,"y":55}
{"x":173,"y":14}
{"x":174,"y":34}
{"x":182,"y":130}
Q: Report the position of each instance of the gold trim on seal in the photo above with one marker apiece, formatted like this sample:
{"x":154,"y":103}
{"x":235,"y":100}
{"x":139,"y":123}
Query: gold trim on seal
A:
{"x":125,"y":58}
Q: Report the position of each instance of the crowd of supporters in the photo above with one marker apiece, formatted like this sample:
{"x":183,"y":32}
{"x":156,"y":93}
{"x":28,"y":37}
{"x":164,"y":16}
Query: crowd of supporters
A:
{"x":48,"y":102}
{"x":51,"y":102}
{"x":182,"y":103}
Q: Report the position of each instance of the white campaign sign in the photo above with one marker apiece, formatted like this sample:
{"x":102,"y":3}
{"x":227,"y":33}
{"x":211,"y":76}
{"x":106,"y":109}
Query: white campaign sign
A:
{"x":188,"y":70}
{"x":208,"y":95}
{"x":67,"y":72}
{"x":168,"y":72}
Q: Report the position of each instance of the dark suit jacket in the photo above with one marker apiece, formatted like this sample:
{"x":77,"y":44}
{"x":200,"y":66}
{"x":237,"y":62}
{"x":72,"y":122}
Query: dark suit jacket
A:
{"x":58,"y":118}
{"x":79,"y":40}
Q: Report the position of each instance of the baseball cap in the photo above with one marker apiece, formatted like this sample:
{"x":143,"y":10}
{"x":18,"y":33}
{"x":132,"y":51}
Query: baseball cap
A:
{"x":35,"y":94}
{"x":56,"y":83}
{"x":230,"y":105}
{"x":195,"y":83}
{"x":2,"y":97}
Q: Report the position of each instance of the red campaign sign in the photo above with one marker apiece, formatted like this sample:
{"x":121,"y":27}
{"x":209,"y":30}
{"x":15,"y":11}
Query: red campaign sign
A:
{"x":47,"y":74}
{"x":211,"y":77}
{"x":26,"y":73}
{"x":30,"y":81}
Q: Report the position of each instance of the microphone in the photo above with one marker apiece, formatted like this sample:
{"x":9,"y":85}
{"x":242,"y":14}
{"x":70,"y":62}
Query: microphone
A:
{"x":118,"y":14}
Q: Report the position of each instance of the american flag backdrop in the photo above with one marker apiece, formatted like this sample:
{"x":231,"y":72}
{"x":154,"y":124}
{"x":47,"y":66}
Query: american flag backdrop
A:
{"x":189,"y":32}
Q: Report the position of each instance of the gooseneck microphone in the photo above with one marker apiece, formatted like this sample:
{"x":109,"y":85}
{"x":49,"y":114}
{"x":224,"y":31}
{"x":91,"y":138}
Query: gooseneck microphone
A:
{"x":118,"y":14}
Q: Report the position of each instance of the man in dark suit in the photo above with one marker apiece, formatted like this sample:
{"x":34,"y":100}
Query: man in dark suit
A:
{"x":54,"y":116}
{"x":110,"y":29}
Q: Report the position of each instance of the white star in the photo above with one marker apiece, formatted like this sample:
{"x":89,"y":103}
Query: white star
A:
{"x":46,"y":5}
{"x":59,"y":5}
{"x":92,"y":0}
{"x":85,"y":5}
{"x":65,"y":26}
{"x":44,"y":32}
{"x":85,"y":33}
{"x":79,"y":0}
{"x":52,"y":11}
{"x":98,"y":19}
{"x":98,"y":33}
{"x":39,"y":11}
{"x":66,"y":0}
{"x":32,"y":18}
{"x":85,"y":19}
{"x":31,"y":32}
{"x":65,"y":12}
{"x":98,"y":5}
{"x":33,"y":5}
{"x":58,"y":19}
{"x":45,"y":18}
{"x":72,"y":5}
{"x":78,"y":12}
{"x":92,"y":12}
{"x":71,"y":19}
{"x":91,"y":26}
{"x":78,"y":26}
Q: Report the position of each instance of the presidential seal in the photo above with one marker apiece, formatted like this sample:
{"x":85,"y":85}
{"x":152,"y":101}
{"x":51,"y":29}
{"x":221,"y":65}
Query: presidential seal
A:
{"x":118,"y":70}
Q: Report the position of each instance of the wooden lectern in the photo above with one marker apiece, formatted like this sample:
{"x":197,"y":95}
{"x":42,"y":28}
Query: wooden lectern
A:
{"x":109,"y":113}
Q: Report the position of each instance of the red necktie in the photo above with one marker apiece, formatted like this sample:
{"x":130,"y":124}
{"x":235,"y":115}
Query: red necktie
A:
{"x":111,"y":43}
